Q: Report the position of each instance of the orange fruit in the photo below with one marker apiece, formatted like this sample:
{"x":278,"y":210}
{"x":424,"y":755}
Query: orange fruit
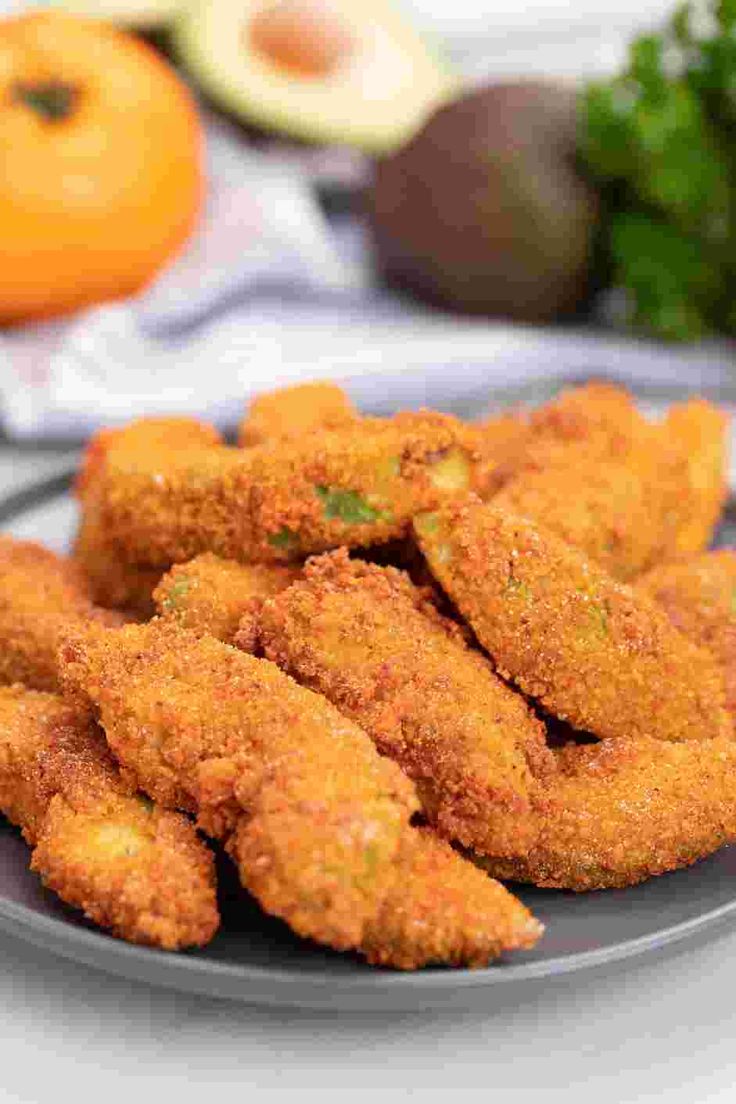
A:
{"x":100,"y":164}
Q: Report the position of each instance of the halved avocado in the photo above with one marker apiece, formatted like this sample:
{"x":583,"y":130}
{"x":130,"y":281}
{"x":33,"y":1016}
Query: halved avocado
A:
{"x":142,"y":14}
{"x":336,"y":72}
{"x":485,"y":211}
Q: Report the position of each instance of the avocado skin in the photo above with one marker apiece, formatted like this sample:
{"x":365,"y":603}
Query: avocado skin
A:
{"x":484,"y":211}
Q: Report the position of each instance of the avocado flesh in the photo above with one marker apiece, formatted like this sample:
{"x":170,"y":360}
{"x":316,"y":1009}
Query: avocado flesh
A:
{"x":143,"y":14}
{"x":484,"y":211}
{"x":373,"y":98}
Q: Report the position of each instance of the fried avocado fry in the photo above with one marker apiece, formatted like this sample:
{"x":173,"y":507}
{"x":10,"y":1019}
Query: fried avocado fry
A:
{"x":141,"y":436}
{"x":701,"y":433}
{"x":698,"y":594}
{"x":42,"y":596}
{"x":114,"y":581}
{"x":291,"y":412}
{"x":602,"y":416}
{"x":138,"y":870}
{"x":593,"y":651}
{"x":317,"y":821}
{"x":436,"y":912}
{"x":626,"y":492}
{"x":377,"y":648}
{"x":599,"y":416}
{"x":595,"y":420}
{"x":622,"y":811}
{"x":220,"y":597}
{"x":279,"y":503}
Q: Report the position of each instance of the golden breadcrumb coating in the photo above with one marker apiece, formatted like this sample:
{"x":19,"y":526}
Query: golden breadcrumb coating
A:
{"x":598,"y":414}
{"x":701,"y":433}
{"x":42,"y":597}
{"x":599,"y":418}
{"x":315,"y":818}
{"x":593,"y":651}
{"x":622,"y":811}
{"x":594,"y":419}
{"x":114,"y":581}
{"x":277,"y":503}
{"x":403,"y":554}
{"x":437,"y":911}
{"x":220,"y":597}
{"x":138,"y":870}
{"x":698,"y":594}
{"x":293,"y":411}
{"x":505,"y":439}
{"x":626,"y":492}
{"x":601,"y":508}
{"x":377,"y":648}
{"x":141,"y":435}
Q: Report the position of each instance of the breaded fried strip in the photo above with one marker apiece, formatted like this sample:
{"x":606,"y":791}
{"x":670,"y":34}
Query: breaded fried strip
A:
{"x":115,"y":582}
{"x":628,"y":493}
{"x":505,"y":438}
{"x":603,"y":509}
{"x":698,"y":594}
{"x":437,"y":911}
{"x":701,"y":433}
{"x":591,"y":650}
{"x":596,"y":420}
{"x":598,"y":414}
{"x":131,"y":867}
{"x":293,"y":411}
{"x":622,"y":811}
{"x":275,"y":504}
{"x":42,"y":596}
{"x":377,"y":648}
{"x":141,"y":436}
{"x":316,"y":820}
{"x":220,"y":597}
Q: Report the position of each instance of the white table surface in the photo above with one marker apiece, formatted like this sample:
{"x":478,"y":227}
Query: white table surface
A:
{"x":656,"y":1029}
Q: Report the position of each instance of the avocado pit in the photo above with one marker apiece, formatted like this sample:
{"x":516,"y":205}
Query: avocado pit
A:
{"x":302,"y":38}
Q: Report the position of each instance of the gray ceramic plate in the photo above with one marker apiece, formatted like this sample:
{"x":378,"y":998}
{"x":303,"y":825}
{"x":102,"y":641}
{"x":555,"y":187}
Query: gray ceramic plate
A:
{"x":256,"y":959}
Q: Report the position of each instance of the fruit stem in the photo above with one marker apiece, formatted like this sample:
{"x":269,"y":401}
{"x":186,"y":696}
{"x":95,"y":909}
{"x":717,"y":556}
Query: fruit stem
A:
{"x":52,"y":100}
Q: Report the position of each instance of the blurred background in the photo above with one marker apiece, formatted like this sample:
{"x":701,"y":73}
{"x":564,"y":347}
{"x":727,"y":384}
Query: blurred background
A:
{"x":416,"y":197}
{"x":542,"y":36}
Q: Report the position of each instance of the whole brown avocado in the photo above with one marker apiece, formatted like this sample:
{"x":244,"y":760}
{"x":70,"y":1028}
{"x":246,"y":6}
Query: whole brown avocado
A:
{"x":484,"y":211}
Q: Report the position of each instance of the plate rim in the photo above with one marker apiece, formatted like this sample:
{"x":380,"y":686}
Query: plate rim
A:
{"x":278,"y":985}
{"x":377,"y":981}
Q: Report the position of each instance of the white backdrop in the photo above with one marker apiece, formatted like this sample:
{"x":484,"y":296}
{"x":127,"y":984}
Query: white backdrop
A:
{"x":513,"y":36}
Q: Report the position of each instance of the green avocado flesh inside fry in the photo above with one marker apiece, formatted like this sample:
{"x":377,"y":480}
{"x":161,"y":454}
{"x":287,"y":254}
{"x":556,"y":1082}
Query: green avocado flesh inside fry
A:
{"x":285,"y":538}
{"x":515,"y":586}
{"x":179,"y":590}
{"x":599,"y":616}
{"x":347,"y":506}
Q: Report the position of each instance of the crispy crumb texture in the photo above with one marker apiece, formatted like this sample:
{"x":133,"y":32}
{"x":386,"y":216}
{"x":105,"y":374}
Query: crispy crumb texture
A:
{"x":317,"y":821}
{"x":375,"y":645}
{"x":42,"y":597}
{"x":622,"y":811}
{"x":698,"y":594}
{"x":292,"y":412}
{"x":220,"y":597}
{"x":162,"y":505}
{"x":131,"y":867}
{"x":593,"y":651}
